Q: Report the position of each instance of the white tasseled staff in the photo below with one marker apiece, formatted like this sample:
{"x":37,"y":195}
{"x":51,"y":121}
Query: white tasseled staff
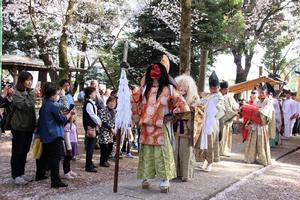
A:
{"x":123,"y":115}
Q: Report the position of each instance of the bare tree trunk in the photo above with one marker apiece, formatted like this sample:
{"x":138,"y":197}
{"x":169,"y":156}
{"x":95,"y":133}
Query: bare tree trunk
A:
{"x":202,"y":70}
{"x":63,"y":44}
{"x":242,"y":73}
{"x":185,"y":37}
{"x":42,"y":76}
{"x":42,"y":44}
{"x":80,"y":75}
{"x":48,"y":62}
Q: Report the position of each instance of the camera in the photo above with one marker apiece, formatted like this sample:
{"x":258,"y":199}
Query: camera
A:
{"x":4,"y":84}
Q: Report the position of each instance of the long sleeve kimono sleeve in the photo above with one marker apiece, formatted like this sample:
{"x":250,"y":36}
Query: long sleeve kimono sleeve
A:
{"x":267,"y":109}
{"x":230,"y":108}
{"x":220,"y":106}
{"x":136,"y":105}
{"x":177,"y":102}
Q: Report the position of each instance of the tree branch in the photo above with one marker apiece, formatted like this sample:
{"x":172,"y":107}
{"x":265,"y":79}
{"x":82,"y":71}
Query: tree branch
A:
{"x":106,"y":71}
{"x":269,"y":15}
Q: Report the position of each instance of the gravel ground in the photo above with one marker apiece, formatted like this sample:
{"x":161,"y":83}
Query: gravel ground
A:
{"x":227,"y":175}
{"x":276,"y":182}
{"x":281,"y":177}
{"x":41,"y":189}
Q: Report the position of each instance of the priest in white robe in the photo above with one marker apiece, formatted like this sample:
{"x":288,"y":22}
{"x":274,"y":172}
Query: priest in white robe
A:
{"x":288,"y":106}
{"x":231,"y":111}
{"x":213,"y":112}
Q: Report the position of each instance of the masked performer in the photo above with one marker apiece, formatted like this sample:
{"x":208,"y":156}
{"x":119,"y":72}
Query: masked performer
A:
{"x":156,"y":99}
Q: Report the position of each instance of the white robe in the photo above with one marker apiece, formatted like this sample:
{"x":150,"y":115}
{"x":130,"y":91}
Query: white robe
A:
{"x":297,"y":107}
{"x":214,"y":110}
{"x":289,"y":109}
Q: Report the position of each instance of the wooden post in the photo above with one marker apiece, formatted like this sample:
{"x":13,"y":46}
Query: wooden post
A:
{"x":260,"y":73}
{"x":118,"y":136}
{"x":116,"y":175}
{"x":15,"y":74}
{"x":202,"y":70}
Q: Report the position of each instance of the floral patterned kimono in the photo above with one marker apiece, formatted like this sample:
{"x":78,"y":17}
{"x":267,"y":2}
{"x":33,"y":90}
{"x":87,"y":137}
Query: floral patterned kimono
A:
{"x":156,"y":153}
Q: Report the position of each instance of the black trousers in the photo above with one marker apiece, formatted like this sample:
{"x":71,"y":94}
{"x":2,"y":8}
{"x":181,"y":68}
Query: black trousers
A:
{"x":296,"y":127}
{"x":20,"y":147}
{"x":52,"y":153}
{"x":90,"y":146}
{"x":67,"y":164}
{"x":126,"y":146}
{"x":105,"y":151}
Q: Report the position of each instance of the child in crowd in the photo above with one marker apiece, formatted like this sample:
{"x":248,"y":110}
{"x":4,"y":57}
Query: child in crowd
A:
{"x":107,"y":131}
{"x":71,"y":146}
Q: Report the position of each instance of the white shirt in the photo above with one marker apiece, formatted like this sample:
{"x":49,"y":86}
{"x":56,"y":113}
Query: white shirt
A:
{"x":90,"y":108}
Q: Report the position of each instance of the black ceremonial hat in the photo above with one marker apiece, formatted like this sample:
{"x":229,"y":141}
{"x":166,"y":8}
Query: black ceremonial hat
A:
{"x":264,"y":87}
{"x":270,"y":88}
{"x":224,"y":84}
{"x":214,"y":80}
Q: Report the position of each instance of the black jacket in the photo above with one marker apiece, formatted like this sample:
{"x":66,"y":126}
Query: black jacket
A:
{"x":87,"y":120}
{"x":4,"y":102}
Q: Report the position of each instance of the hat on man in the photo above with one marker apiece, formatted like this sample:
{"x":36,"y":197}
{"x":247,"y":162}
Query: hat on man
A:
{"x":270,"y":88}
{"x":214,"y":80}
{"x":264,"y":87}
{"x":224,"y":85}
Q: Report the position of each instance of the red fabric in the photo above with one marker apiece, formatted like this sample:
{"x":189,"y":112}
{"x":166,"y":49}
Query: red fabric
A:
{"x":248,"y":114}
{"x":155,"y":71}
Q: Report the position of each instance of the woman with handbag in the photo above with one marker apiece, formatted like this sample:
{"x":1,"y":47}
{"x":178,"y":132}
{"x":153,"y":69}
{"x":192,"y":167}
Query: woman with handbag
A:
{"x":90,"y":122}
{"x":23,"y":122}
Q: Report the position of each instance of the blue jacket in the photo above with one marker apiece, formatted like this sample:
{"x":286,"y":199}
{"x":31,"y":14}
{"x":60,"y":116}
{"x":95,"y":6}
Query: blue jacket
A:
{"x":51,"y":122}
{"x":69,"y":99}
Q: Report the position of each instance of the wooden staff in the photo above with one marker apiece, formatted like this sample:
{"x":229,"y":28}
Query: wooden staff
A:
{"x":116,"y":175}
{"x":118,"y":136}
